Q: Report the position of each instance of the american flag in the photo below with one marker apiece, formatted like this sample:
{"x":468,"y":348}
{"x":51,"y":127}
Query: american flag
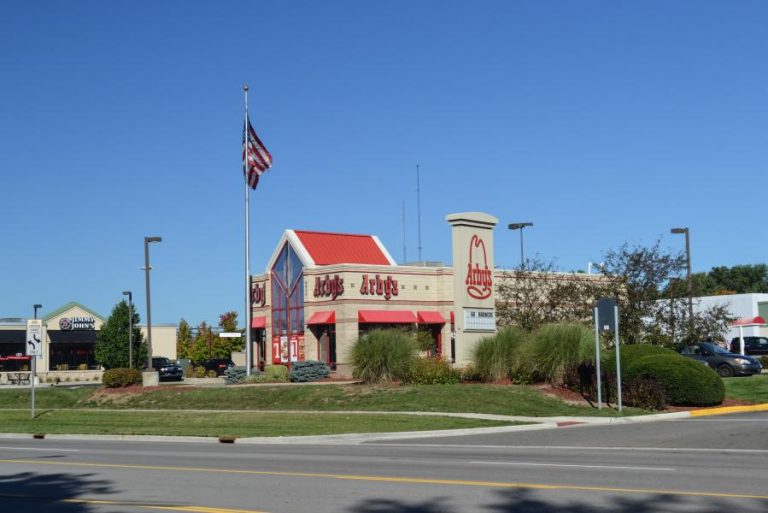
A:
{"x":256,"y":158}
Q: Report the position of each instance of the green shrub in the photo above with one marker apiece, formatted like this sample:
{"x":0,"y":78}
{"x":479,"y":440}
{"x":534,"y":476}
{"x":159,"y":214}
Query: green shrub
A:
{"x":198,"y":372}
{"x":235,"y":375}
{"x":686,"y":381}
{"x":555,"y":348}
{"x":645,"y":392}
{"x":764,"y":361}
{"x":272,"y":374}
{"x":311,"y":370}
{"x":494,"y":357}
{"x":630,"y":353}
{"x":117,"y":378}
{"x":432,"y":371}
{"x":469,"y":373}
{"x":383,"y":355}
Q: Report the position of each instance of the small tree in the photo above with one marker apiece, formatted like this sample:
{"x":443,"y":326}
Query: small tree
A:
{"x":111,"y":349}
{"x":184,"y":340}
{"x":226,"y":346}
{"x":535,"y":295}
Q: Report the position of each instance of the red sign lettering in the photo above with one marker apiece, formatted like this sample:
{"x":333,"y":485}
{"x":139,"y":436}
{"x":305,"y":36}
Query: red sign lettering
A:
{"x":329,"y":287}
{"x":259,"y":294}
{"x":377,"y":286}
{"x":479,"y":279}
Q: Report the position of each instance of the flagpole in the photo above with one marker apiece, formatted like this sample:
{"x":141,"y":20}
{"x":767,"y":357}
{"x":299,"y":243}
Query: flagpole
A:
{"x":248,"y":313}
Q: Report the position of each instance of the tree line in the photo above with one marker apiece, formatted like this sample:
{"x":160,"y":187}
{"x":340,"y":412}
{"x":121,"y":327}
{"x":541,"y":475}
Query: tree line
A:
{"x":649,"y":284}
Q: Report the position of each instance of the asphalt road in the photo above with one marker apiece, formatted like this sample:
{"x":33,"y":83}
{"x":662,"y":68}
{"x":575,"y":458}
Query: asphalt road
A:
{"x":704,"y":465}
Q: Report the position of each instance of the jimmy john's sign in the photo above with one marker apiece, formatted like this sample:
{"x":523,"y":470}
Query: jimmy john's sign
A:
{"x":77,"y":323}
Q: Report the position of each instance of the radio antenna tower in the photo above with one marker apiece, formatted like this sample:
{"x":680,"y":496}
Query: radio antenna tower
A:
{"x":405,"y":252}
{"x":418,"y":208}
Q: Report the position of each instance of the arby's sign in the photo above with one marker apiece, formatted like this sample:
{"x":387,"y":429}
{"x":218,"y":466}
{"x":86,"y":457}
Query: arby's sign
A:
{"x":479,"y":279}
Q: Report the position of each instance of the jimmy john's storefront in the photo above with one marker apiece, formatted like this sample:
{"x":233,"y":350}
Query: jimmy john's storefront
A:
{"x":323,"y":290}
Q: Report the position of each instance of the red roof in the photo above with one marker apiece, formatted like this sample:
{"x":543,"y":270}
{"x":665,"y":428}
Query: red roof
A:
{"x":749,"y":321}
{"x":259,"y":321}
{"x":386,"y":317}
{"x":430,"y":317}
{"x":323,"y":317}
{"x":342,"y":248}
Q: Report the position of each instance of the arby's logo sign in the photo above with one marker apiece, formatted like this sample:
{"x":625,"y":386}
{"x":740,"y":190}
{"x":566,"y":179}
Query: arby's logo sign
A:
{"x":479,"y":280}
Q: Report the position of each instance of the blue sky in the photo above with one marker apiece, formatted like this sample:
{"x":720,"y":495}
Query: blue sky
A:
{"x":601,"y":122}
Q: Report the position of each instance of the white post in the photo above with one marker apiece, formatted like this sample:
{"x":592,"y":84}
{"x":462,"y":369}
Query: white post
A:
{"x":741,"y":340}
{"x":248,"y":313}
{"x":597,"y":361}
{"x":618,"y":358}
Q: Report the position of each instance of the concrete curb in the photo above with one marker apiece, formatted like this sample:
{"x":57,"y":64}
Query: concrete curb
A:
{"x":537,"y":424}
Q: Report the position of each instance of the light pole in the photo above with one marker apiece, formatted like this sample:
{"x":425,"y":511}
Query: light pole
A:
{"x":687,"y":233}
{"x":520,"y":226}
{"x":130,"y":327}
{"x":147,"y":240}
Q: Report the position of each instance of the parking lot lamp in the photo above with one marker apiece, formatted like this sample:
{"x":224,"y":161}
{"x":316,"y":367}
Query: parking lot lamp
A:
{"x":520,"y":226}
{"x":687,"y":233}
{"x":130,"y":327}
{"x":147,"y":241}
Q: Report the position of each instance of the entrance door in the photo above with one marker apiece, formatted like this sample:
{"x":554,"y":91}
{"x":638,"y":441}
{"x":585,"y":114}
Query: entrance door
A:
{"x":327,"y":344}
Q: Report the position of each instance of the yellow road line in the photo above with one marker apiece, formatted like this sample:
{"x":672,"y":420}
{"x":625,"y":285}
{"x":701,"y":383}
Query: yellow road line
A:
{"x":191,"y":509}
{"x":387,"y":479}
{"x":729,"y":409}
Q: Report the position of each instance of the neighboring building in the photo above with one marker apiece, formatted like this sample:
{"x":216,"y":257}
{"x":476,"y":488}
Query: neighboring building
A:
{"x":70,"y":338}
{"x":740,"y":306}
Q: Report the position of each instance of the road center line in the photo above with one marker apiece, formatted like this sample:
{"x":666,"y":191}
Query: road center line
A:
{"x":162,"y":507}
{"x":48,"y":449}
{"x":390,"y":479}
{"x":570,"y":465}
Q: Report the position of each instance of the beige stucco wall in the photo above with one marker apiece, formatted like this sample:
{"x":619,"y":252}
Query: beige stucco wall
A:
{"x":163,"y":340}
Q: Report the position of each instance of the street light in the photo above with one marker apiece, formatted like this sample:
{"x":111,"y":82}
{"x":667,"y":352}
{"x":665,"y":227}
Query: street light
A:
{"x":147,"y":240}
{"x":687,"y":233}
{"x":520,"y":226}
{"x":130,"y":327}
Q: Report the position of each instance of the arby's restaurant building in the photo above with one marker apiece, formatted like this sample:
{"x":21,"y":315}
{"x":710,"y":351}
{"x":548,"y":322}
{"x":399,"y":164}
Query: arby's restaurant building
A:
{"x":321,"y":291}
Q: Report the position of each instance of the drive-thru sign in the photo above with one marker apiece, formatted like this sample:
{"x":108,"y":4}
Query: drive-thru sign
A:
{"x":34,"y":337}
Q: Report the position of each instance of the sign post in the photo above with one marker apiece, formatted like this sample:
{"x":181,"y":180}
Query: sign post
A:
{"x":607,"y":319}
{"x":34,"y":349}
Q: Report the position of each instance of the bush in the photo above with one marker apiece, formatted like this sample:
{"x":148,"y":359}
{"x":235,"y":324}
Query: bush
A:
{"x":198,"y":372}
{"x":432,"y":371}
{"x":494,"y":357}
{"x":630,"y":353}
{"x":311,"y":370}
{"x":117,"y":378}
{"x":555,"y":348}
{"x":383,"y":355}
{"x":646,"y":393}
{"x":469,"y":373}
{"x":235,"y":375}
{"x":272,"y":374}
{"x":686,"y":382}
{"x":764,"y":361}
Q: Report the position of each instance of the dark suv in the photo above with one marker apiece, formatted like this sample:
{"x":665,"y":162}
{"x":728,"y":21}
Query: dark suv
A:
{"x":724,"y":363}
{"x":167,"y":369}
{"x":218,"y":365}
{"x":752,"y":345}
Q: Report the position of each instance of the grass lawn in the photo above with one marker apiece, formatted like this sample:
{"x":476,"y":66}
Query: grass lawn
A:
{"x":753,"y":388}
{"x":498,"y":399}
{"x":239,"y":424}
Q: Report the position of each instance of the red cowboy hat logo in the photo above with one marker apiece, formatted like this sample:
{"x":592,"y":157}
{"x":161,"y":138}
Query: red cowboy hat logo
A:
{"x":479,"y":276}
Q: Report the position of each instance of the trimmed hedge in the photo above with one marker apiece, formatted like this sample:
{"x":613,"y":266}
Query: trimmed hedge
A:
{"x":121,"y":377}
{"x":311,"y":370}
{"x":383,"y":355}
{"x":629,"y":354}
{"x":686,"y":381}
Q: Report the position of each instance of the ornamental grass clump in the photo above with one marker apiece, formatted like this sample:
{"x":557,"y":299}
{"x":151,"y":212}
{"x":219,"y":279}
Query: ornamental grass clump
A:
{"x":555,"y":348}
{"x":495,"y":357}
{"x":383,"y":355}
